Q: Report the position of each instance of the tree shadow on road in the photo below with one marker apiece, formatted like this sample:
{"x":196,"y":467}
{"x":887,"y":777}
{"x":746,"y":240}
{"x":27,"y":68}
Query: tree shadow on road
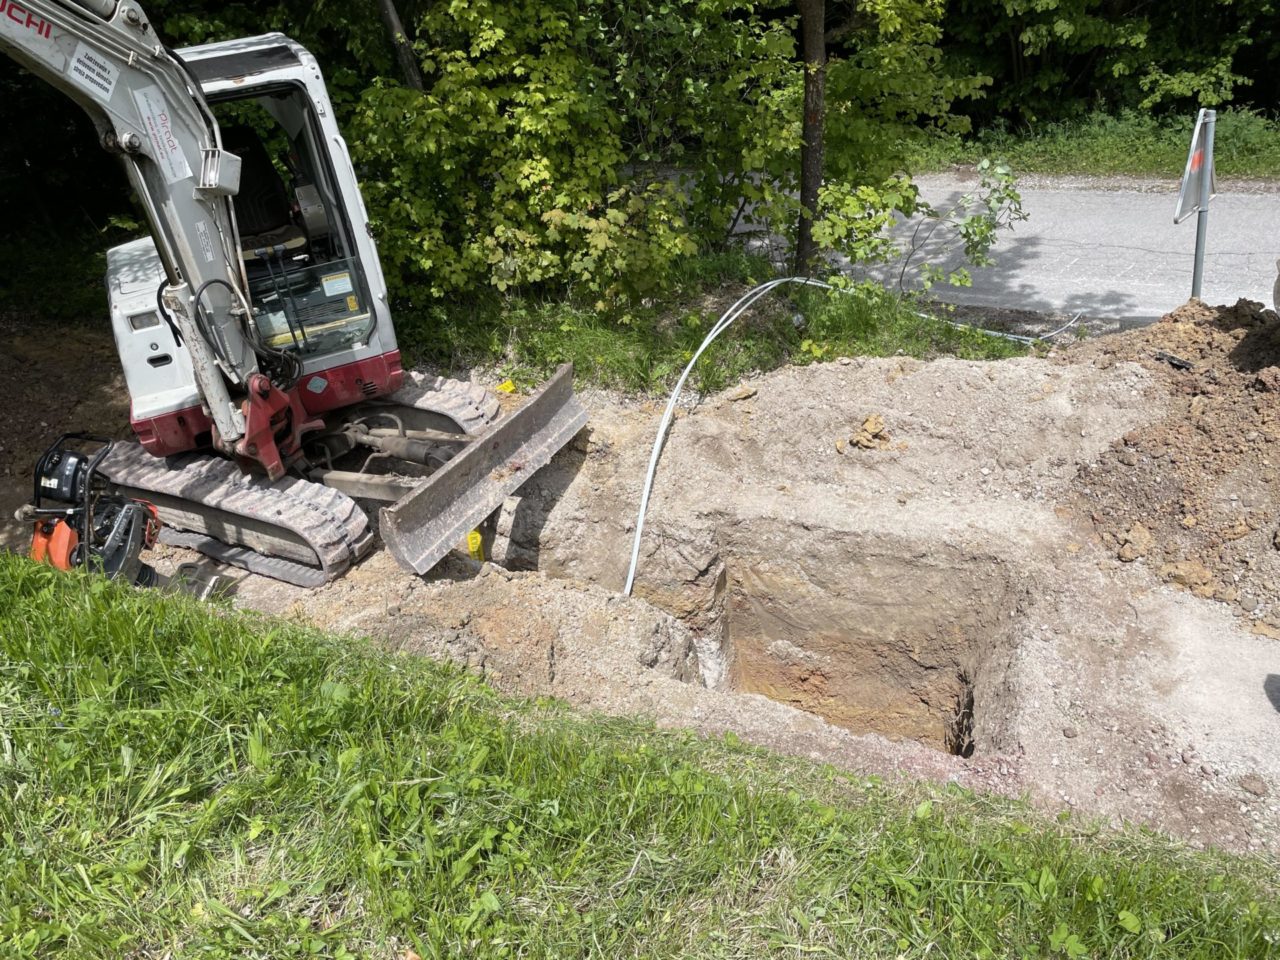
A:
{"x":1000,"y":285}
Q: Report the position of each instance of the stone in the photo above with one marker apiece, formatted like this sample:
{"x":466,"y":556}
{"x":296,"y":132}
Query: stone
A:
{"x":1254,"y":784}
{"x":1070,"y":732}
{"x":1268,"y":380}
{"x":1237,"y":530}
{"x":872,"y":435}
{"x":1138,"y":541}
{"x":742,"y":393}
{"x":1188,"y":573}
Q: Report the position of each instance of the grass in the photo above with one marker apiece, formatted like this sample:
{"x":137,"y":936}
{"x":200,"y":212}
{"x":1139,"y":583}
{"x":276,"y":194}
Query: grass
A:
{"x":184,"y":781}
{"x":1246,"y":144}
{"x":642,"y":349}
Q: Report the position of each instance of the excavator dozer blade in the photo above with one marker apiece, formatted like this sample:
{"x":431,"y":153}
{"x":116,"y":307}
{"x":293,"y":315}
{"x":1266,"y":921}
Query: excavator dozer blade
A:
{"x":424,"y":525}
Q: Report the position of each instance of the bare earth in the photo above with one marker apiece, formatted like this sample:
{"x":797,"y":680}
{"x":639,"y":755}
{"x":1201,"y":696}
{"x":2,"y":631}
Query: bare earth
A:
{"x":886,"y":564}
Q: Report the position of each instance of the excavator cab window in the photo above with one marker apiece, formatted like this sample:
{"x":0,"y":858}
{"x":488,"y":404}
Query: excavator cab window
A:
{"x":306,"y":283}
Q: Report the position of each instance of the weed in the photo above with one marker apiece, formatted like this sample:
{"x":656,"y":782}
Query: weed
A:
{"x":644,"y":348}
{"x":1246,"y":144}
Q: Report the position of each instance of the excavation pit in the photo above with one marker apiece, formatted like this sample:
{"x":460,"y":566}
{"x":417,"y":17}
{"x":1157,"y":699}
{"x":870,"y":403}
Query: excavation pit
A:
{"x":907,"y":645}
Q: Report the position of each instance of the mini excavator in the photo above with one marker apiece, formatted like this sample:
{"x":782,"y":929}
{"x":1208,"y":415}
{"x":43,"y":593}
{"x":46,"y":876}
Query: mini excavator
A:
{"x":253,"y":326}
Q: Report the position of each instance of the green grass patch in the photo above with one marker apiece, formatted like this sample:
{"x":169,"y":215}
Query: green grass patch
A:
{"x":643,"y":348}
{"x":185,"y":781}
{"x":1246,"y":144}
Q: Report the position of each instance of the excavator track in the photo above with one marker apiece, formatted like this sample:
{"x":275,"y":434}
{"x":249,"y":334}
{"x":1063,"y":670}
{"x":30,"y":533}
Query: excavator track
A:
{"x":314,"y":532}
{"x":469,"y":405}
{"x":293,"y":529}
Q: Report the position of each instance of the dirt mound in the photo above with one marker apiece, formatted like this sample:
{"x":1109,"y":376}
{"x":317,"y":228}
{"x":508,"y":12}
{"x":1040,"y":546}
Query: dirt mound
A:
{"x":1195,"y":494}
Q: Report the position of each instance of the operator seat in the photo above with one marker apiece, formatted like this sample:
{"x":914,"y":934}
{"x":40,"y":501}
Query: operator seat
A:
{"x":263,"y":212}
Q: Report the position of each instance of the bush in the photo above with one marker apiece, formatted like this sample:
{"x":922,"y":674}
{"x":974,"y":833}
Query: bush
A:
{"x":1057,"y":59}
{"x":593,"y":145}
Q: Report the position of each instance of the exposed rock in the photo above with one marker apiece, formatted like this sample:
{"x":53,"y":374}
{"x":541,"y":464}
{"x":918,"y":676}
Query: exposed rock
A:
{"x":1254,"y":784}
{"x":1268,"y":380}
{"x":1195,"y":576}
{"x":872,"y":435}
{"x":1138,"y":542}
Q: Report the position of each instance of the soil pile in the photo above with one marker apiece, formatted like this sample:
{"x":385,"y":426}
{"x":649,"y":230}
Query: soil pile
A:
{"x":1195,"y":494}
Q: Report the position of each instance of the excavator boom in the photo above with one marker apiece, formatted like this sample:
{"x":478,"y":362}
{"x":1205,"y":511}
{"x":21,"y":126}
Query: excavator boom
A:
{"x":105,"y":56}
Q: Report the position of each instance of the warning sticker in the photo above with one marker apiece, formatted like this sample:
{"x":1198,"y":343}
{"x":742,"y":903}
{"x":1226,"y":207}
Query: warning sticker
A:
{"x":336,"y":284}
{"x":93,"y":71}
{"x":206,"y":241}
{"x":165,"y":149}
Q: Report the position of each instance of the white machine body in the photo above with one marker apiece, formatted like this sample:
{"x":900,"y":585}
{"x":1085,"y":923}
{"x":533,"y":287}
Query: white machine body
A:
{"x":275,"y":71}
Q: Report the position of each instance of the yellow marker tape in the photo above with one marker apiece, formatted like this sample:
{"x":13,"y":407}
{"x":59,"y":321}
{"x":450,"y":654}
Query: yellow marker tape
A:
{"x":507,"y":386}
{"x":475,"y":546}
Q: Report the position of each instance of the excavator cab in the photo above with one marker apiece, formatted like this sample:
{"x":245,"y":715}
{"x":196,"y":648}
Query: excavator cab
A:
{"x":306,"y":285}
{"x":306,"y":254}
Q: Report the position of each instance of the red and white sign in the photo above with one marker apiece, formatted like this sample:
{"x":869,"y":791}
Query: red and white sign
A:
{"x":1200,"y":158}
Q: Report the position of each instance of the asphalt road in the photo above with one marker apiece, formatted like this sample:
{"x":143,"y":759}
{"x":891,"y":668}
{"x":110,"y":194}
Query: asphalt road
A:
{"x":1110,"y":250}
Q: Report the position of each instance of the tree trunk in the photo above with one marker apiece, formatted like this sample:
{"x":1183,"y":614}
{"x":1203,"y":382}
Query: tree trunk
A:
{"x":400,"y":41}
{"x":813,"y":47}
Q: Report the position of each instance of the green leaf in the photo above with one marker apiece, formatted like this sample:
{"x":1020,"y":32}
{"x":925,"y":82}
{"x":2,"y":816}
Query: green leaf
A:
{"x":1129,"y":921}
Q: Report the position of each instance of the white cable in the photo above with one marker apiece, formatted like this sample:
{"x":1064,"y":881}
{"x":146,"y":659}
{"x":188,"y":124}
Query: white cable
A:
{"x":1065,"y":327}
{"x":743,"y":303}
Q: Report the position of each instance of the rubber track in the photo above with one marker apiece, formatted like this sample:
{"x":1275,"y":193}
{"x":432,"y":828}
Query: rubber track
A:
{"x":469,"y":405}
{"x":328,"y":522}
{"x":276,"y":568}
{"x":331,"y":524}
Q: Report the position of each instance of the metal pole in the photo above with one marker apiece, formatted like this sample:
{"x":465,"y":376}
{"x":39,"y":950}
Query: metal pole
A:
{"x":1202,"y":219}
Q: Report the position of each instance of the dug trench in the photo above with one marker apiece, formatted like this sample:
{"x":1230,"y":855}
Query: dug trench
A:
{"x":879,"y":564}
{"x":878,"y":587}
{"x":870,"y":642}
